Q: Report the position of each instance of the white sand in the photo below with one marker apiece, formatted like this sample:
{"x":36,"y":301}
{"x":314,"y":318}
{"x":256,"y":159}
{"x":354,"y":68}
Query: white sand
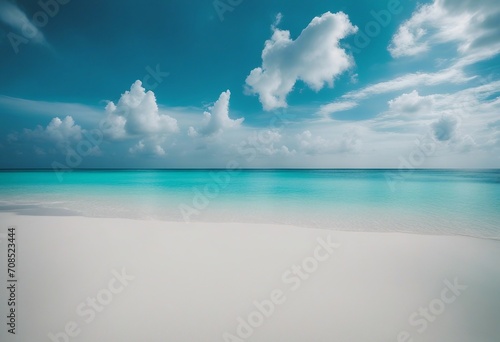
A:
{"x":192,"y":282}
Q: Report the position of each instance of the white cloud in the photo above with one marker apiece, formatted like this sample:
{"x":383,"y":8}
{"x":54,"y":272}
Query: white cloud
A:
{"x":277,"y":20}
{"x":471,"y":25}
{"x":58,"y":135}
{"x":266,"y":142}
{"x":410,"y":33}
{"x":315,"y":58}
{"x":413,"y":80}
{"x":148,"y":147}
{"x":217,"y":119}
{"x":452,"y":75}
{"x":334,"y":107}
{"x":459,"y":122}
{"x":474,"y":102}
{"x":115,"y":124}
{"x":137,"y":114}
{"x":315,"y":144}
{"x":58,"y":131}
{"x":410,"y":104}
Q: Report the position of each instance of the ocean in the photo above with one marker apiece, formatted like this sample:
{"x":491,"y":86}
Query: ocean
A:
{"x":446,"y":202}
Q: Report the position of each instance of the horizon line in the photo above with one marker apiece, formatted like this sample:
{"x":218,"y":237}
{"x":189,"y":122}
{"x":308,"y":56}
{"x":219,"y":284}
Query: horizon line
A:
{"x":254,"y":169}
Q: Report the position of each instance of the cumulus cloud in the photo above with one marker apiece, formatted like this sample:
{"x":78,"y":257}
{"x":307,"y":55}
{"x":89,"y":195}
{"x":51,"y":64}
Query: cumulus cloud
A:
{"x":315,"y":58}
{"x":137,"y":114}
{"x":265,"y":142}
{"x":58,"y":131}
{"x":408,"y":105}
{"x":115,"y":128}
{"x":411,"y":112}
{"x":472,"y":25}
{"x":217,"y":119}
{"x":149,"y":146}
{"x":57,"y":135}
{"x":314,"y":144}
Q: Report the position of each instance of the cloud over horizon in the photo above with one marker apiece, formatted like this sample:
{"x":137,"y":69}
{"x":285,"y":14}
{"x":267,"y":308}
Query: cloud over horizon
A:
{"x":217,"y":119}
{"x":137,"y":113}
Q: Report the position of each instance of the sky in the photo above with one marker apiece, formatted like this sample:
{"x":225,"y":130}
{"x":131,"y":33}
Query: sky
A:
{"x":250,"y":83}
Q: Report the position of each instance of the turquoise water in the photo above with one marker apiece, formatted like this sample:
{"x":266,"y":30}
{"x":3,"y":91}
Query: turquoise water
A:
{"x":423,"y":201}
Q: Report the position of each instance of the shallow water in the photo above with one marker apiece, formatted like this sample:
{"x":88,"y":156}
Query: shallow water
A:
{"x":452,"y":202}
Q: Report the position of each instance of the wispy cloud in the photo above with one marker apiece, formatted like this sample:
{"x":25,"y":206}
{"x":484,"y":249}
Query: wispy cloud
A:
{"x":334,"y":107}
{"x":468,"y":24}
{"x":14,"y":17}
{"x":451,"y":75}
{"x":81,"y":112}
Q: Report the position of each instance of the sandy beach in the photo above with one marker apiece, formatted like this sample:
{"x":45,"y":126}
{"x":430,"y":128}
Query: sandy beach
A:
{"x":103,"y":279}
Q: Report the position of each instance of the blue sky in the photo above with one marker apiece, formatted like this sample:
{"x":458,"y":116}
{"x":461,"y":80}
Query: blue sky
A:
{"x":180,"y":84}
